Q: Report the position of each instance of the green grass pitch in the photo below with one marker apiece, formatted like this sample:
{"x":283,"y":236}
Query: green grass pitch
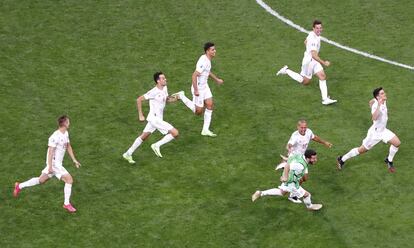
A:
{"x":91,"y":59}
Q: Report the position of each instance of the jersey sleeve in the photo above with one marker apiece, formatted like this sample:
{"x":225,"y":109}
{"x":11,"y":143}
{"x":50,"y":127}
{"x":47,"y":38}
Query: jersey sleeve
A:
{"x":312,"y":43}
{"x":52,"y":141}
{"x":201,"y":65}
{"x":374,"y":107}
{"x":311,"y":134}
{"x":292,"y":140}
{"x":150,"y":94}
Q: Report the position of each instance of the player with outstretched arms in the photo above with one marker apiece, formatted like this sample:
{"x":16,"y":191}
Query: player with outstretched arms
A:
{"x":292,"y":176}
{"x":157,"y":97}
{"x":57,"y":145}
{"x":376,"y":133}
{"x":202,"y":96}
{"x":312,"y":64}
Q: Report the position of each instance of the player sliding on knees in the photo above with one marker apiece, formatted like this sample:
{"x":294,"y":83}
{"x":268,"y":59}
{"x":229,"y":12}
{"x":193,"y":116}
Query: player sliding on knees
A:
{"x":158,"y":97}
{"x":376,"y":133}
{"x":202,"y":96}
{"x":312,"y":64}
{"x":291,"y":178}
{"x":297,"y":144}
{"x":57,"y":145}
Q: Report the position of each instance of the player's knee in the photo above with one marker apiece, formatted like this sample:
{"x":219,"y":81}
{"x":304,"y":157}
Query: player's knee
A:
{"x":68,"y":179}
{"x":199,"y":111}
{"x":42,"y":180}
{"x":396,"y":142}
{"x":306,"y":81}
{"x":174,"y":132}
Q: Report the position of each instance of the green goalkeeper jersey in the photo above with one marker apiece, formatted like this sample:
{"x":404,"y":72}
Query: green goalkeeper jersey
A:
{"x":298,"y":168}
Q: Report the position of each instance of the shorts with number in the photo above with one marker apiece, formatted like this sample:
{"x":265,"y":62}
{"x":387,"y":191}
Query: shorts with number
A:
{"x":157,"y":124}
{"x":310,"y":68}
{"x":291,"y":188}
{"x":202,"y":95}
{"x":58,"y":171}
{"x":375,"y":136}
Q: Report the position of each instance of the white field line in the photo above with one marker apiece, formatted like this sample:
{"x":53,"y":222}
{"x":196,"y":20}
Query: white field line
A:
{"x":350,"y":49}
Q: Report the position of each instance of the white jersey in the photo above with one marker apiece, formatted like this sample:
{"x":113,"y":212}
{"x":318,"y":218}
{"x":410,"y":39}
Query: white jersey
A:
{"x":313,"y":43}
{"x":381,"y":122}
{"x":203,"y":67}
{"x":300,"y":142}
{"x":157,"y":99}
{"x":59,"y":141}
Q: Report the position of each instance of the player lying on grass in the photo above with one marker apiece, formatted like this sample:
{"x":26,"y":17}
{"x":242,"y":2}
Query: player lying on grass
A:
{"x":292,"y":176}
{"x":202,"y":96}
{"x":376,"y":133}
{"x":297,"y":144}
{"x":57,"y":146}
{"x":158,"y":97}
{"x":312,"y":64}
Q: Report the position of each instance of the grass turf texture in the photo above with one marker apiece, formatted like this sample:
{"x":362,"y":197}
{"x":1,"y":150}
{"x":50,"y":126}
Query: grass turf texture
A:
{"x":92,"y":59}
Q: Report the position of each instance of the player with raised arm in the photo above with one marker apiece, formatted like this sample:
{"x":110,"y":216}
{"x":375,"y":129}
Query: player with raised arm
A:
{"x":158,"y":97}
{"x":297,"y":144}
{"x":202,"y":96}
{"x":312,"y":64}
{"x":291,"y":178}
{"x":57,"y":145}
{"x":376,"y":133}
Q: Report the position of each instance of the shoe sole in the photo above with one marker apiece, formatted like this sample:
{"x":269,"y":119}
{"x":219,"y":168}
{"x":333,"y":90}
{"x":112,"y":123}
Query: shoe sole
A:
{"x":129,"y":161}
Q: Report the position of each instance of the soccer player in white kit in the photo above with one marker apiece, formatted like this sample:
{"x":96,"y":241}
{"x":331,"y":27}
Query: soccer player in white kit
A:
{"x":312,"y":64}
{"x":57,"y":146}
{"x":202,"y":96}
{"x":158,"y":97}
{"x":376,"y":133}
{"x":297,"y":144}
{"x":291,"y":179}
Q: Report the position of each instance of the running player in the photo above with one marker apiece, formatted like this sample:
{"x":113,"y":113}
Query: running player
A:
{"x":57,"y":146}
{"x":297,"y":144}
{"x":158,"y":97}
{"x":376,"y":133}
{"x":291,"y":178}
{"x":202,"y":97}
{"x":312,"y":64}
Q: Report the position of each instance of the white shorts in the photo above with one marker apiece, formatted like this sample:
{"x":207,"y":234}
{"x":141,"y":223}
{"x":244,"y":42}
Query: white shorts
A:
{"x":157,"y":124}
{"x":310,"y":68}
{"x":202,"y":95}
{"x":291,"y":188}
{"x":373,"y":137}
{"x":58,"y":171}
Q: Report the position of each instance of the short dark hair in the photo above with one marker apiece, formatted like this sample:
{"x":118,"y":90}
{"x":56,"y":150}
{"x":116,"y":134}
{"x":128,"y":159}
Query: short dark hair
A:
{"x":309,"y":153}
{"x":316,"y":22}
{"x":62,"y":120}
{"x":157,"y":76}
{"x":376,"y":92}
{"x":208,"y":45}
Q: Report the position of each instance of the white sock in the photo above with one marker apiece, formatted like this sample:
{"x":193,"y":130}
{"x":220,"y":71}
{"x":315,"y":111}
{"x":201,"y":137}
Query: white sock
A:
{"x":207,"y":119}
{"x":307,"y":201}
{"x":29,"y":183}
{"x":138,"y":141}
{"x":68,"y":191}
{"x":295,"y":76}
{"x":393,"y":151}
{"x":323,"y":88}
{"x":188,"y":103}
{"x":271,"y":192}
{"x":167,"y":138}
{"x":352,"y":153}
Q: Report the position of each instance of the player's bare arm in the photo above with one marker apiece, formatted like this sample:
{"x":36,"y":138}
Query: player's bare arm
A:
{"x":72,"y":156}
{"x":215,"y":78}
{"x":141,"y":116}
{"x":51,"y":154}
{"x":376,"y":113}
{"x":304,"y":179}
{"x":321,"y":141}
{"x":285,"y":175}
{"x":289,"y":148}
{"x":194,"y":77}
{"x":371,"y":102}
{"x":316,"y":57}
